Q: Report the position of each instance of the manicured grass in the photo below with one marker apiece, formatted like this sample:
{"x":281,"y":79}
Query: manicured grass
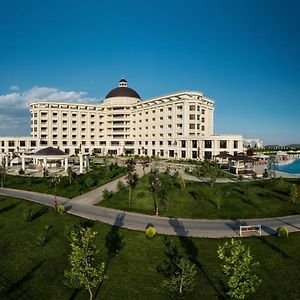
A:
{"x":196,"y":200}
{"x":80,"y":184}
{"x":36,"y":272}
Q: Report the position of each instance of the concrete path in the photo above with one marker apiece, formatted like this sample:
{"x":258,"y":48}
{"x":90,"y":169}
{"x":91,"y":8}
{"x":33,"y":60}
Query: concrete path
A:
{"x":96,"y":195}
{"x":170,"y":226}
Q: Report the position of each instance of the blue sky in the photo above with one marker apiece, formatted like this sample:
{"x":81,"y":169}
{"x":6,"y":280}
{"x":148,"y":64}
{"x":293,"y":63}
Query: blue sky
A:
{"x":243,"y":54}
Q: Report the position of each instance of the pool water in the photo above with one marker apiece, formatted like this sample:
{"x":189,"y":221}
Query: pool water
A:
{"x":293,"y":168}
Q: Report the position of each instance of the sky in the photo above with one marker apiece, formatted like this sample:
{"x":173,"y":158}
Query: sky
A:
{"x":245,"y":55}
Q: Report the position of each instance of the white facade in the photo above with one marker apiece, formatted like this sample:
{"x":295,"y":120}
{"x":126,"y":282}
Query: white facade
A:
{"x":173,"y":126}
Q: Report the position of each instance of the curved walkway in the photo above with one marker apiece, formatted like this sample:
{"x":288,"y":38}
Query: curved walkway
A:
{"x":170,"y":226}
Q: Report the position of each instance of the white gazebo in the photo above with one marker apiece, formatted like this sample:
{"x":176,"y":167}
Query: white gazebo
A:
{"x":45,"y":156}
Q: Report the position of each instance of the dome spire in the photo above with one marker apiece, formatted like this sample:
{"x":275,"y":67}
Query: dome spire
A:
{"x":122,"y":82}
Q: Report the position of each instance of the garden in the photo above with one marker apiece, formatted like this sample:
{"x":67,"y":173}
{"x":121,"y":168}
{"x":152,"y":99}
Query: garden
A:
{"x":67,"y":186}
{"x":35,"y":256}
{"x":171,"y":196}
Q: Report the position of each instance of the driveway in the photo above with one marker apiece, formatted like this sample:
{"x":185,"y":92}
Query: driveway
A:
{"x":169,"y":226}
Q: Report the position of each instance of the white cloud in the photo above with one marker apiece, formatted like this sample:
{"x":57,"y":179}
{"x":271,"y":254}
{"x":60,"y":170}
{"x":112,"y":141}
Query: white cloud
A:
{"x":14,"y":106}
{"x":14,"y":88}
{"x":18,"y":100}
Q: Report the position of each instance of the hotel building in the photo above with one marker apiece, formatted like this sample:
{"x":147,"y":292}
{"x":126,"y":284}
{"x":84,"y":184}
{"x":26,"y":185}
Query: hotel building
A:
{"x":172,"y":126}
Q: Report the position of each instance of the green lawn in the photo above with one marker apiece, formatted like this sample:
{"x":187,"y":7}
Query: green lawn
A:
{"x":29,"y":271}
{"x":79,"y":184}
{"x":238,"y":200}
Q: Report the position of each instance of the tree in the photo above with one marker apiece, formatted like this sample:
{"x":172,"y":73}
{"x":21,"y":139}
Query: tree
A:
{"x":55,"y":181}
{"x":213,"y":174}
{"x":3,"y":174}
{"x":294,"y":193}
{"x":144,"y":162}
{"x":155,"y":184}
{"x":131,"y":177}
{"x":85,"y":271}
{"x":182,"y":280}
{"x":71,"y":175}
{"x":238,"y":266}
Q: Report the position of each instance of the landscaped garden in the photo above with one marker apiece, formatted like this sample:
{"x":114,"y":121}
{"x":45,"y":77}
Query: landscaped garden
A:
{"x":34,"y":257}
{"x":67,"y":186}
{"x":174,"y":197}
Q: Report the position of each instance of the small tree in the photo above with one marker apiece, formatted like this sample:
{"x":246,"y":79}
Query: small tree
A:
{"x":55,"y":181}
{"x":217,"y":200}
{"x":238,"y":266}
{"x":182,"y":280}
{"x":3,"y":174}
{"x":131,"y":177}
{"x":144,"y":162}
{"x":120,"y":185}
{"x":294,"y":193}
{"x":181,"y":182}
{"x":85,"y":272}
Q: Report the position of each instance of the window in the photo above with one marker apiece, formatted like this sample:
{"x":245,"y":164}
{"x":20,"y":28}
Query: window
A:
{"x":171,"y":153}
{"x":153,"y":142}
{"x":192,"y":117}
{"x":207,"y":155}
{"x":203,"y":111}
{"x":235,"y":144}
{"x":183,"y":154}
{"x":202,"y":119}
{"x":194,"y":143}
{"x":22,"y":143}
{"x":223,"y":144}
{"x":192,"y":107}
{"x":183,"y":144}
{"x":207,"y":144}
{"x":169,"y":143}
{"x":202,"y":128}
{"x":194,"y":154}
{"x":192,"y":126}
{"x":161,"y":143}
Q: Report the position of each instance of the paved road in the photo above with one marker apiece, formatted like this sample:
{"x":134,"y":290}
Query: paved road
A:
{"x":170,"y":226}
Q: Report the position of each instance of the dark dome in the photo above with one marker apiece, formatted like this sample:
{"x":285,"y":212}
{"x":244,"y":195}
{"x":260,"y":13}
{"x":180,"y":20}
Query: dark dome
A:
{"x":50,"y":151}
{"x":123,"y":91}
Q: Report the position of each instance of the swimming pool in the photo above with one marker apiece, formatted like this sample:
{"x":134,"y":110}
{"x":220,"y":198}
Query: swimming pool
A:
{"x":293,"y":168}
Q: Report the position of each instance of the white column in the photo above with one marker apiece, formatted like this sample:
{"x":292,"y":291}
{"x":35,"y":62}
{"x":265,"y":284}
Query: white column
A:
{"x":1,"y":159}
{"x":6,"y":161}
{"x":84,"y":162}
{"x":80,"y":163}
{"x":62,"y":163}
{"x":23,"y":163}
{"x":45,"y":163}
{"x":66,"y":164}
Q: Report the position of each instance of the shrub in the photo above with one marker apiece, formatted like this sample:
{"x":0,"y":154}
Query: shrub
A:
{"x":28,"y":215}
{"x":41,"y":240}
{"x":282,"y":231}
{"x":121,"y":185}
{"x":61,"y":209}
{"x":107,"y":195}
{"x":150,"y":231}
{"x":21,"y":172}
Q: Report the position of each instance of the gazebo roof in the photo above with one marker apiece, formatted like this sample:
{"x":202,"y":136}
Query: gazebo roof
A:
{"x":224,"y":154}
{"x":50,"y":151}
